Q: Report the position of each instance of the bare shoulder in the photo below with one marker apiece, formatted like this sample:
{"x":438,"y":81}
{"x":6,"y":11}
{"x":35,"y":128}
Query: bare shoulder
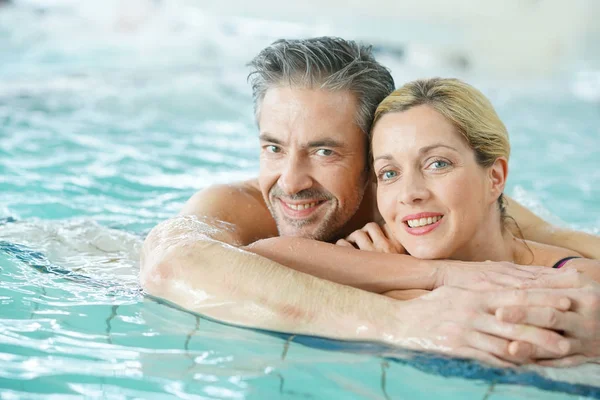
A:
{"x":536,"y":253}
{"x":239,"y":204}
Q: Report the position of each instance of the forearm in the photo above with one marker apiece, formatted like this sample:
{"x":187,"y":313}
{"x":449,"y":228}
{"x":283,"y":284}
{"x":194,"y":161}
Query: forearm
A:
{"x":536,"y":229}
{"x":371,"y":271}
{"x":234,"y":286}
{"x":586,"y":244}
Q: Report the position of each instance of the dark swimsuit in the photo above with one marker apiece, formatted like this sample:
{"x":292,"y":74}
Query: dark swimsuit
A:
{"x":562,"y":262}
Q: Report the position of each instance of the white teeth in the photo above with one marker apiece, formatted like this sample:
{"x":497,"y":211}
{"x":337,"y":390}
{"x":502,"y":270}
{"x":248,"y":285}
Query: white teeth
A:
{"x":299,"y":207}
{"x":414,"y":223}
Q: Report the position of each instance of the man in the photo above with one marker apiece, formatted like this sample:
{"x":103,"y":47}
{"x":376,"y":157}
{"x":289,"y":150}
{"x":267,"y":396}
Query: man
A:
{"x":259,"y":253}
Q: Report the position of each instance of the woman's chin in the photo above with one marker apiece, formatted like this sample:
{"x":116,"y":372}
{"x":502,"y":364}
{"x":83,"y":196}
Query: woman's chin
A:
{"x":428,"y":253}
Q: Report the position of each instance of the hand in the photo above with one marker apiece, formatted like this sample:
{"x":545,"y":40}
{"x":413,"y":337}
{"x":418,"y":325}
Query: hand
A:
{"x":490,"y":275}
{"x":461,"y":323}
{"x":580,"y":324}
{"x":372,"y":237}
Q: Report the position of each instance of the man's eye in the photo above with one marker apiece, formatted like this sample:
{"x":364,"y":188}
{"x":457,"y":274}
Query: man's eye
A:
{"x":272,"y":149}
{"x":324,"y":152}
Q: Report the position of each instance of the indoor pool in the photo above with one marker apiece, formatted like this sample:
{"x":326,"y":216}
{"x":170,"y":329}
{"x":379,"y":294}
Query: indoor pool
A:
{"x":111,"y":117}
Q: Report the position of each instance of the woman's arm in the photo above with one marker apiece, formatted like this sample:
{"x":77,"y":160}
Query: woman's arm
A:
{"x":536,"y":229}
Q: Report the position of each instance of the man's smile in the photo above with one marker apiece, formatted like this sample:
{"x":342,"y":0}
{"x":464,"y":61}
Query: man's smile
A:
{"x":300,"y":210}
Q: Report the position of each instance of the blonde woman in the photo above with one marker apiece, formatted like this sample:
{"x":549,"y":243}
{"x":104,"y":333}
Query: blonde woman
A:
{"x":440,"y":156}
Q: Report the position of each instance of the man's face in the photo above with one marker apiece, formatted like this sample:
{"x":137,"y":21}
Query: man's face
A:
{"x":312,"y":162}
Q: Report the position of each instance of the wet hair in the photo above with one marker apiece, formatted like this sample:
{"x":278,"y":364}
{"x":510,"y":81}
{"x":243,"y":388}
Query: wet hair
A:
{"x":328,"y":63}
{"x":466,"y":108}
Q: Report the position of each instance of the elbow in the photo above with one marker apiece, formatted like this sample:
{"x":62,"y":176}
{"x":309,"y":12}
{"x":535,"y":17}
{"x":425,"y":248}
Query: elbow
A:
{"x":153,"y":273}
{"x":154,"y":268}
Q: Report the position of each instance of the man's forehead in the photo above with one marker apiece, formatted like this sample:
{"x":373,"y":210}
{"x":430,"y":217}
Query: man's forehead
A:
{"x":308,"y":115}
{"x":285,"y":102}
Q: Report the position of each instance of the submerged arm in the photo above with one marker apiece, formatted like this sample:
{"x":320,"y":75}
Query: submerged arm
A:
{"x":536,"y":229}
{"x":213,"y":278}
{"x":196,"y":261}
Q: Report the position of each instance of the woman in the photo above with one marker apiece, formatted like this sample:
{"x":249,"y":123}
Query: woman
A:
{"x":440,"y":157}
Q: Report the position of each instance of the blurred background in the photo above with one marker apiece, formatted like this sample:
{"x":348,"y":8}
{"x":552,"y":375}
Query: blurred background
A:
{"x":118,"y":111}
{"x":113,"y":113}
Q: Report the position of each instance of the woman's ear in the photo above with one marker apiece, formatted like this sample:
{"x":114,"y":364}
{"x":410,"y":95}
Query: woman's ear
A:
{"x":498,"y":173}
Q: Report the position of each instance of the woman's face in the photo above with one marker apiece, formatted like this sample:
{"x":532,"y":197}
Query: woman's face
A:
{"x":430,"y":190}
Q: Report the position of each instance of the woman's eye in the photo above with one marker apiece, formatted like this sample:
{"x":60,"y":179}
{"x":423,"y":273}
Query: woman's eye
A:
{"x":324,"y":152}
{"x":386,"y":175}
{"x":439,"y":164}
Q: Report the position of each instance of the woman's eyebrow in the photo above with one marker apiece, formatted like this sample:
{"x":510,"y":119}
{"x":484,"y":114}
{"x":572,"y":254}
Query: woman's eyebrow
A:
{"x":422,"y":150}
{"x":427,"y":149}
{"x":387,"y":157}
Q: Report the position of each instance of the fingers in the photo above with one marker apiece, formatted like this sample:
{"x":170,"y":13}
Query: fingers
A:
{"x":361,"y":240}
{"x":543,"y":338}
{"x":543,"y":317}
{"x":501,"y":348}
{"x":372,"y":238}
{"x":524,"y":350}
{"x":575,"y":347}
{"x":380,"y":240}
{"x":521,"y":350}
{"x":538,"y":270}
{"x":530,"y":298}
{"x":564,"y":279}
{"x":344,"y":243}
{"x":502,"y":280}
{"x":569,"y":361}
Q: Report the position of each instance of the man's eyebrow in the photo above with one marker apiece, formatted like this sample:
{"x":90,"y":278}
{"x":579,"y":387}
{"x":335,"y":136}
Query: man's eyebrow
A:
{"x":267,"y":137}
{"x":327,"y":142}
{"x":422,"y":150}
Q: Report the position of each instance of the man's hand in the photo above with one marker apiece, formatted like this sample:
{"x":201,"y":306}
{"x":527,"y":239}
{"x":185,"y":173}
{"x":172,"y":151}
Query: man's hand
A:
{"x":462,"y":323}
{"x":373,"y":237}
{"x":580,"y":324}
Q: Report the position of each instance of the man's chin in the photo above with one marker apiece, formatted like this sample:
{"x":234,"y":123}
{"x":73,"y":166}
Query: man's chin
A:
{"x":315,"y":232}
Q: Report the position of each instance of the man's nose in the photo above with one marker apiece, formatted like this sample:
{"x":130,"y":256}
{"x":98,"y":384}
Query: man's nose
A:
{"x":295,"y":176}
{"x":414,"y":188}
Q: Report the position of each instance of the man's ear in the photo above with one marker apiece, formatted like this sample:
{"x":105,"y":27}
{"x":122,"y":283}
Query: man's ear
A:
{"x":498,"y":173}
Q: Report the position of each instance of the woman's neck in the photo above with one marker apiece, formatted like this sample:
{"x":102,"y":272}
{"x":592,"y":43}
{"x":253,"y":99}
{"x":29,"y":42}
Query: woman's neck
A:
{"x":492,"y":242}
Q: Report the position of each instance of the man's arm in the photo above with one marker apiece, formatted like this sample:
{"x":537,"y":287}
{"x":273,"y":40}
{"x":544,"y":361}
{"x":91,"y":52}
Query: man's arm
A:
{"x":195,"y":271}
{"x":536,"y":229}
{"x":194,"y":261}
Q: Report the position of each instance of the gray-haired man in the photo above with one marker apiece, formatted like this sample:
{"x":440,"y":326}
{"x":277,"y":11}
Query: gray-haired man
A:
{"x":259,"y":253}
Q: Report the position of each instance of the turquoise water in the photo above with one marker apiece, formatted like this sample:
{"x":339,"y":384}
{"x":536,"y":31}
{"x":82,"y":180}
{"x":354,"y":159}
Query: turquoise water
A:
{"x":110,"y":120}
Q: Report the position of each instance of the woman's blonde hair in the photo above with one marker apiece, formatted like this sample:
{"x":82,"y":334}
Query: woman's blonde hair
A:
{"x":466,"y":107}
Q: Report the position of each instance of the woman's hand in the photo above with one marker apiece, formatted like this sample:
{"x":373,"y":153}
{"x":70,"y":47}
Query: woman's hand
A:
{"x":372,"y":237}
{"x":580,"y":324}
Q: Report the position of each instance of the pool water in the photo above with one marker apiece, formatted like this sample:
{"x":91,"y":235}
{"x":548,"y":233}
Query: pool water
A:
{"x":110,"y":120}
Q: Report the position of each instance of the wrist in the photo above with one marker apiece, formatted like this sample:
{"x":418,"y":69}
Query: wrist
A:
{"x":414,"y":273}
{"x":397,"y":322}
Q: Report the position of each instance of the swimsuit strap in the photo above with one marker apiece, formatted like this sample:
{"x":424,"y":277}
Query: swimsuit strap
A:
{"x":562,"y":262}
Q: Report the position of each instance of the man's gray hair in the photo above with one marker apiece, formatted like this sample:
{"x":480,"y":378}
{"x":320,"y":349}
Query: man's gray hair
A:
{"x":323,"y":63}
